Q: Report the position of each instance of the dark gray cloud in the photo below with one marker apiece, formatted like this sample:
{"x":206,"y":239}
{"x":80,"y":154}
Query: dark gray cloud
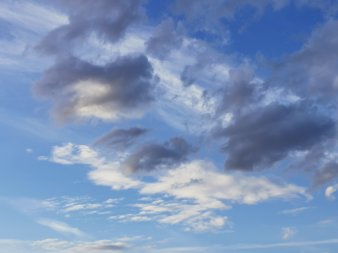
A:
{"x":166,"y":37}
{"x":122,"y":88}
{"x":266,"y":135}
{"x":107,"y":19}
{"x":156,"y":156}
{"x":121,"y":138}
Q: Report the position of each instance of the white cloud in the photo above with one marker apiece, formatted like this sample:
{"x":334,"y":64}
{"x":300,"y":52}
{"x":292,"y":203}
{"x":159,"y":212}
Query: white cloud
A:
{"x":288,"y":232}
{"x":200,"y":181}
{"x":330,"y":190}
{"x":296,"y":211}
{"x":84,"y":205}
{"x":103,"y":173}
{"x":61,"y":227}
{"x":195,"y":190}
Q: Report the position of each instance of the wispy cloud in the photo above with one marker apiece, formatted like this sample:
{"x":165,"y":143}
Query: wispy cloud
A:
{"x":288,"y":232}
{"x":61,"y":227}
{"x":296,"y":211}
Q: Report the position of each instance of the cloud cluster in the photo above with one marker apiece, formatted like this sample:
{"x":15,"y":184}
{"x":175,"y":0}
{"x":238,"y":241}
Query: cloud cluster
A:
{"x":287,"y":116}
{"x":196,"y":189}
{"x":82,"y":89}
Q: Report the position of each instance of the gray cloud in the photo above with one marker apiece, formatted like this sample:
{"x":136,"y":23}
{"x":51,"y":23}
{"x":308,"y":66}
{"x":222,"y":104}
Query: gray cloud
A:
{"x":312,"y":71}
{"x":266,"y":135}
{"x":165,"y":38}
{"x":156,"y":156}
{"x":106,"y":247}
{"x":121,"y":138}
{"x":239,"y":92}
{"x":107,"y":19}
{"x":79,"y":89}
{"x":326,"y":174}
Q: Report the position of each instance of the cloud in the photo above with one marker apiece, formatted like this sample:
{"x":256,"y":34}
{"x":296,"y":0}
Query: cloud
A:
{"x":61,"y":227}
{"x":288,"y":232}
{"x":327,"y":173}
{"x":156,"y":156}
{"x":121,"y":138}
{"x":56,"y":245}
{"x":80,"y":89}
{"x":79,"y":205}
{"x":264,"y":136}
{"x":108,"y":20}
{"x":240,"y":89}
{"x":63,"y":246}
{"x":200,"y":181}
{"x":196,"y":189}
{"x":310,"y":72}
{"x":104,"y":172}
{"x":296,"y":211}
{"x":330,"y":190}
{"x":165,"y":38}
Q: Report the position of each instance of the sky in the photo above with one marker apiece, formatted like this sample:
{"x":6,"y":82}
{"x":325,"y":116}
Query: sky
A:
{"x":174,"y":126}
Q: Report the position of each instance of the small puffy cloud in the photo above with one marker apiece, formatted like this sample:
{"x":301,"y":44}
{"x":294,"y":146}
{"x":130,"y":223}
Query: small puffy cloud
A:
{"x":288,"y":232}
{"x":330,"y":190}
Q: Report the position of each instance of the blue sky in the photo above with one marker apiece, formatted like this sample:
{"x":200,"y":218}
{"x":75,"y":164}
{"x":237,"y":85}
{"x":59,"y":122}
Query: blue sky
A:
{"x":168,"y":126}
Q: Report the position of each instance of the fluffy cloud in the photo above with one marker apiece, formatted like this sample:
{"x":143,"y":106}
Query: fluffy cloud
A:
{"x":83,"y":90}
{"x":330,"y":190}
{"x":103,"y":173}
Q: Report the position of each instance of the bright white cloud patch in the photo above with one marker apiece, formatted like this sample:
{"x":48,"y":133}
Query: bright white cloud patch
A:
{"x":196,"y":189}
{"x":330,"y":191}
